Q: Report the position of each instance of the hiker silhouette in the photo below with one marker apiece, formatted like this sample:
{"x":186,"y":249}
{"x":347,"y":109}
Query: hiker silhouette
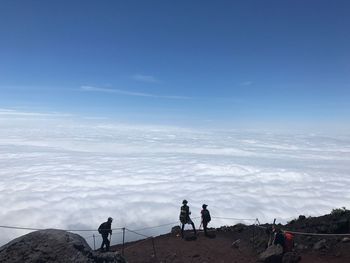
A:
{"x":205,"y":218}
{"x":185,"y":218}
{"x":105,"y":229}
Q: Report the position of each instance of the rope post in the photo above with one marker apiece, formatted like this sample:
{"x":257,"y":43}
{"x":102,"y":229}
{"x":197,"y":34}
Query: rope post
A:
{"x":254,"y":234}
{"x":94,"y":241}
{"x":257,"y":221}
{"x":154,"y":249}
{"x":123,"y":241}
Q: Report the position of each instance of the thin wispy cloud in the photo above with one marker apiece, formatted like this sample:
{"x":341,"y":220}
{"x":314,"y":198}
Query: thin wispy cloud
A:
{"x":130,"y":93}
{"x":145,"y":78}
{"x":13,"y":113}
{"x":246,"y":83}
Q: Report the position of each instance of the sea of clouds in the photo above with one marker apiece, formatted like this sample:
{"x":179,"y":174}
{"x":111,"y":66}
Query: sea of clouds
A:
{"x":58,"y":171}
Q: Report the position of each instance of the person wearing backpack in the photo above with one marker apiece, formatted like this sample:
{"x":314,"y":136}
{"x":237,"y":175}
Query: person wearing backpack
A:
{"x":105,"y":229}
{"x":279,"y":238}
{"x":205,"y":218}
{"x":185,"y":218}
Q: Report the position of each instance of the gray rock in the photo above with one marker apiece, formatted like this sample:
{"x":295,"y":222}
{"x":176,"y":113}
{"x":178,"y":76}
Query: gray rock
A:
{"x":273,"y":254}
{"x":176,"y":230}
{"x":346,"y":240}
{"x":301,"y":246}
{"x":48,"y":246}
{"x":320,"y":244}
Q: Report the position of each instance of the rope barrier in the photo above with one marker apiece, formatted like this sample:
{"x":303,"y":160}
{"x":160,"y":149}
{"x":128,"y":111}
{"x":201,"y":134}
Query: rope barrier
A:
{"x":237,"y":219}
{"x":137,"y":243}
{"x":168,"y":224}
{"x":306,"y":233}
{"x":132,"y":231}
{"x":314,"y":234}
{"x":147,"y":238}
{"x":152,"y":227}
{"x":256,"y":223}
{"x":69,"y":230}
{"x":22,"y":228}
{"x":263,"y":227}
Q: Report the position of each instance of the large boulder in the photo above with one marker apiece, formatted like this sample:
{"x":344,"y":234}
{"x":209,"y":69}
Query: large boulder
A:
{"x":176,"y":230}
{"x":51,"y":245}
{"x":273,"y":254}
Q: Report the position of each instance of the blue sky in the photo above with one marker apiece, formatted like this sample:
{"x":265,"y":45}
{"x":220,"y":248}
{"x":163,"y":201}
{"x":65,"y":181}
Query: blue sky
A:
{"x":179,"y":62}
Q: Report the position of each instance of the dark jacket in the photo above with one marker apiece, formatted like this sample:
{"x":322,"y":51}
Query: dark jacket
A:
{"x":279,"y":238}
{"x":105,"y":228}
{"x":185,"y":214}
{"x":205,"y":216}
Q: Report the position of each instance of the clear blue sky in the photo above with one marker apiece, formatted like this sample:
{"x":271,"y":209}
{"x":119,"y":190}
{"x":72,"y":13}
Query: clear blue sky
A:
{"x":178,"y":61}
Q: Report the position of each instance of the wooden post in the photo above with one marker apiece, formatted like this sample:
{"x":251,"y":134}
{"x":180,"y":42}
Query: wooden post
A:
{"x":154,"y":249}
{"x":94,"y":241}
{"x":123,"y":241}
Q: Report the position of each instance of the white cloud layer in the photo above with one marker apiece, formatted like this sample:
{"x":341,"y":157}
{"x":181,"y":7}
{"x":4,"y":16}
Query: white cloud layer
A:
{"x":57,"y":172}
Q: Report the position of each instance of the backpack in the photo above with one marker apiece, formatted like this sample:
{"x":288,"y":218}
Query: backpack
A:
{"x":206,"y":215}
{"x":288,"y":241}
{"x":100,"y":228}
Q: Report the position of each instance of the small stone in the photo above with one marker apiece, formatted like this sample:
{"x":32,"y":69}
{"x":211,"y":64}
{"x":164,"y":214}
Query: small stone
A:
{"x":346,"y":240}
{"x":320,"y":244}
{"x":176,"y":230}
{"x":235,"y":244}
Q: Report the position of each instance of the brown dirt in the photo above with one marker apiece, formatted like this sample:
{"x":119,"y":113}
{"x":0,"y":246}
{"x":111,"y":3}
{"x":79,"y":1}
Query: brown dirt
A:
{"x":171,"y":248}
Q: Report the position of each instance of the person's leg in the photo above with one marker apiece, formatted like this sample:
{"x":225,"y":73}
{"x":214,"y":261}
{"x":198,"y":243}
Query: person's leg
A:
{"x":107,"y":244}
{"x":182,"y":230}
{"x":205,"y":224}
{"x":194,"y":229}
{"x":104,"y":241}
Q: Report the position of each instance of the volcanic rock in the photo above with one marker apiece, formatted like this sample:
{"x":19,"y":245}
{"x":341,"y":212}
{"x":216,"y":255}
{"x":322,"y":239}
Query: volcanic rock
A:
{"x":273,"y":254}
{"x":53,"y":245}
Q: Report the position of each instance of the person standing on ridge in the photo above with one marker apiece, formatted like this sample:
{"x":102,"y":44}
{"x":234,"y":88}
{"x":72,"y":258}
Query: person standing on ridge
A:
{"x":105,"y":229}
{"x":185,"y":218}
{"x":205,"y":218}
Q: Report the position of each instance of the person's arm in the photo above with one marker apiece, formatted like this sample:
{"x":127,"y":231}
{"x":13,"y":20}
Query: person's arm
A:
{"x":110,"y":229}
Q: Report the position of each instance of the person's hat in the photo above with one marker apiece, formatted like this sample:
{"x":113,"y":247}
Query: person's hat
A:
{"x":184,"y":201}
{"x":204,"y":206}
{"x":110,"y":219}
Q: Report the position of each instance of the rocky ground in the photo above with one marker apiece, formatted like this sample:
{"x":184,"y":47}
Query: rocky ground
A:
{"x":237,"y":243}
{"x":242,"y":243}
